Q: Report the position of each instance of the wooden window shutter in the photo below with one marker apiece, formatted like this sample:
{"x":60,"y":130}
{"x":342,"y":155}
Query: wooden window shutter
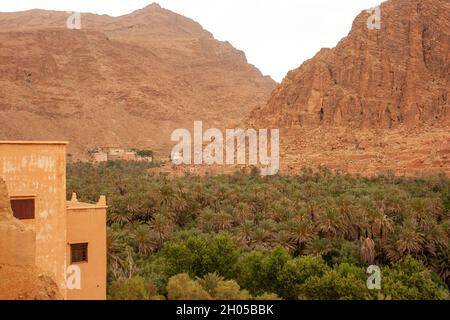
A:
{"x":23,"y":209}
{"x":79,"y":252}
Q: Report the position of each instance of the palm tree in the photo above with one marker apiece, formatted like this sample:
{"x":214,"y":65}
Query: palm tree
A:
{"x":210,"y":282}
{"x":282,"y":210}
{"x":318,"y":247}
{"x":146,"y":239}
{"x":426,"y":212}
{"x":311,"y":196}
{"x":301,"y":232}
{"x":406,"y":240}
{"x":167,"y":196}
{"x":241,"y":213}
{"x":381,"y":224}
{"x":206,"y":220}
{"x":355,"y":223}
{"x":367,"y":252}
{"x":245,"y":231}
{"x":283,"y":238}
{"x":120,"y":217}
{"x":436,"y":239}
{"x":114,"y":250}
{"x":261,"y":237}
{"x":441,"y":265}
{"x":410,"y":240}
{"x":269,"y":225}
{"x":329,"y":221}
{"x":117,"y":250}
{"x":223,"y":221}
{"x":162,"y":227}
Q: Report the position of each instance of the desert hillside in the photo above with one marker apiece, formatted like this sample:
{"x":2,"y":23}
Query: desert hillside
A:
{"x":126,"y":81}
{"x":377,"y":101}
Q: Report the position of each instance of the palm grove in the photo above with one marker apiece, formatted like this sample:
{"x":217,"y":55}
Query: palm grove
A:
{"x":241,"y":236}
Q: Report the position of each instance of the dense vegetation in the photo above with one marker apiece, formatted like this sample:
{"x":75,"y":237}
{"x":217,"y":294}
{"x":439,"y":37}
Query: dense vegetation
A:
{"x":310,"y":236}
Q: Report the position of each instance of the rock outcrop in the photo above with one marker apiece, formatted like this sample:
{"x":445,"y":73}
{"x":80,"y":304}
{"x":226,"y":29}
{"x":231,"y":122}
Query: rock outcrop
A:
{"x":20,"y":279}
{"x":26,"y":283}
{"x":377,"y":101}
{"x":397,"y":75}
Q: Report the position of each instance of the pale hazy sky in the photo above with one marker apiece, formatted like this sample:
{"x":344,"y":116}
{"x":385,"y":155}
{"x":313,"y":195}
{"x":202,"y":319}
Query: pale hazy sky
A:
{"x":276,"y":35}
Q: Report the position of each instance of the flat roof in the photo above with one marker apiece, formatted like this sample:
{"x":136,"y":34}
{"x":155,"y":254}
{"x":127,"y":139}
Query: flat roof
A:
{"x":83,"y":205}
{"x":36,"y":142}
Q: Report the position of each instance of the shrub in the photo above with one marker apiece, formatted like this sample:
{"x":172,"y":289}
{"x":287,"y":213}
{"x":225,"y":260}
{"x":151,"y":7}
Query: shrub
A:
{"x":129,"y":289}
{"x":181,"y":287}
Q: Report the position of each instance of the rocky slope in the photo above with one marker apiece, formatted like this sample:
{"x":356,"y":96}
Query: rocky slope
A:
{"x":379,"y":100}
{"x":26,"y":283}
{"x":126,"y":81}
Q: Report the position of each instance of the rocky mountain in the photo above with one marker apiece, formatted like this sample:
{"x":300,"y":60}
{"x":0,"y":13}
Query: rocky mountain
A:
{"x":127,"y":81}
{"x":379,"y":100}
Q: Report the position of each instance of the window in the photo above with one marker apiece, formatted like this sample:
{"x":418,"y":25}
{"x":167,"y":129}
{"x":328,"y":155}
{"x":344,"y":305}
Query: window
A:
{"x":79,"y":252}
{"x":23,"y":208}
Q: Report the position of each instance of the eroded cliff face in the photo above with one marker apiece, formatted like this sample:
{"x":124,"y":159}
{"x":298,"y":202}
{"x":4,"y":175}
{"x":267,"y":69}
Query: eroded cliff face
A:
{"x":127,"y":81}
{"x":378,"y":101}
{"x":398,"y":75}
{"x":20,"y":279}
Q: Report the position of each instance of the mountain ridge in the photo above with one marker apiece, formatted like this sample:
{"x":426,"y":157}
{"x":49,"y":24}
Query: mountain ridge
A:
{"x":126,"y":81}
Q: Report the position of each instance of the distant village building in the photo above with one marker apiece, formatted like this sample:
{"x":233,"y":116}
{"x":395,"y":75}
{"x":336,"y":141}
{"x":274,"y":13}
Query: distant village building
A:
{"x":104,"y":154}
{"x":67,"y":233}
{"x":100,"y":157}
{"x":114,"y":151}
{"x":144,"y":159}
{"x":130,"y":156}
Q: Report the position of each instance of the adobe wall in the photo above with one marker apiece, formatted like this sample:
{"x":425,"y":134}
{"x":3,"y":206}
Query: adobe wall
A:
{"x":17,"y":241}
{"x":20,"y":279}
{"x":38,"y":169}
{"x":87,"y":223}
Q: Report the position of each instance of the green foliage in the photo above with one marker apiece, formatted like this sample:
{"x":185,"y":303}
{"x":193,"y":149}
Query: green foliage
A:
{"x":212,"y":286}
{"x":210,"y":282}
{"x":179,"y":258}
{"x":258,"y":272}
{"x":181,"y":287}
{"x":199,"y":255}
{"x":343,"y":282}
{"x":272,"y":267}
{"x":296,"y":272}
{"x":408,"y":279}
{"x":249,"y":272}
{"x":144,"y":153}
{"x":268,"y":296}
{"x":129,"y":289}
{"x":230,"y":290}
{"x":307,"y":236}
{"x":342,"y":251}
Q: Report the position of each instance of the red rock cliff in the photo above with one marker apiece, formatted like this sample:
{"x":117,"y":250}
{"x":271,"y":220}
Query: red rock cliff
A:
{"x":397,"y":75}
